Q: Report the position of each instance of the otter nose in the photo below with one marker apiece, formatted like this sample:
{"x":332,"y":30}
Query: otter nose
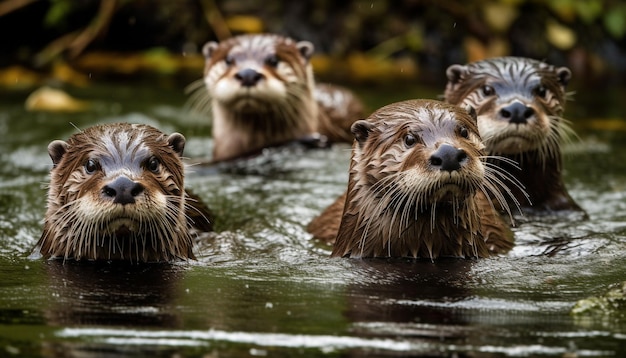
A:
{"x":122,"y":190}
{"x":517,"y":113}
{"x":447,"y":158}
{"x":248,"y":77}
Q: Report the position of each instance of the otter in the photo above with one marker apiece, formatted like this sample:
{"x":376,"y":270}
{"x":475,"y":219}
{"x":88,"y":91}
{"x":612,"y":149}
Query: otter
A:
{"x":418,"y":187}
{"x":520,"y":104}
{"x":262,"y":93}
{"x":117,"y":192}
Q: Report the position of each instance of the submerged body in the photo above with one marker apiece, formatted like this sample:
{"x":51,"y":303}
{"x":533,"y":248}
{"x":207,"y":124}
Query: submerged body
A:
{"x":117,"y":193}
{"x":520,"y":103}
{"x":417,"y":188}
{"x":262,"y":93}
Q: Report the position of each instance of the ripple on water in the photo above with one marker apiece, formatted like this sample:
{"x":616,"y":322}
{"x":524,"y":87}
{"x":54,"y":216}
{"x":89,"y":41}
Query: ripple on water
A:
{"x":324,"y":343}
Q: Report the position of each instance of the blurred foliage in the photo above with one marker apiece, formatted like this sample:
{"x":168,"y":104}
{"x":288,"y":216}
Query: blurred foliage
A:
{"x":59,"y":10}
{"x":355,"y":40}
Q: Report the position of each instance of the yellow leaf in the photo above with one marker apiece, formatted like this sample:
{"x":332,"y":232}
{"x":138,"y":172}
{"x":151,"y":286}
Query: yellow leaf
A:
{"x":499,"y":16}
{"x":474,"y":49}
{"x":560,"y":36}
{"x":607,"y":124}
{"x":54,"y":100}
{"x":321,"y":63}
{"x":17,"y":76}
{"x":66,"y":74}
{"x":246,"y":24}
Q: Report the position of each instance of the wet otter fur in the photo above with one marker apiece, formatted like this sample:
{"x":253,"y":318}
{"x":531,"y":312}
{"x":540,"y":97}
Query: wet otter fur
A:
{"x":262,"y":93}
{"x":417,"y":188}
{"x":520,"y":104}
{"x":117,"y":192}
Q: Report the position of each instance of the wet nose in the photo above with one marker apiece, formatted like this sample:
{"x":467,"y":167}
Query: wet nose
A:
{"x":517,"y":113}
{"x":447,"y":158}
{"x":248,"y":77}
{"x":122,"y":190}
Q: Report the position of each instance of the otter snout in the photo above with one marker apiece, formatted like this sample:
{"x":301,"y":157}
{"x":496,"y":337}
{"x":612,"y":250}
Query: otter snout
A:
{"x":248,"y":77}
{"x":447,"y":158}
{"x":122,"y":190}
{"x":517,"y":113}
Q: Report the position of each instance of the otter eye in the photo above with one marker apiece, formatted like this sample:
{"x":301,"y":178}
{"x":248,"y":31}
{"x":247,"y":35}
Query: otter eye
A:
{"x":464,"y":132}
{"x":541,"y":91}
{"x":91,"y":166}
{"x":410,"y":140}
{"x":272,"y":60}
{"x":488,"y":90}
{"x":154,"y":164}
{"x":229,"y":60}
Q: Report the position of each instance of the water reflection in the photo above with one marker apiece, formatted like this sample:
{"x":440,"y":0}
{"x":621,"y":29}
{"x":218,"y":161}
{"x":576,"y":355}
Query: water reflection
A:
{"x":410,"y":299}
{"x":396,"y":280}
{"x":109,"y":295}
{"x":448,"y":309}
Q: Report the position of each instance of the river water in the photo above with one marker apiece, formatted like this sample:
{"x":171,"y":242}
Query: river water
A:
{"x":261,"y":287}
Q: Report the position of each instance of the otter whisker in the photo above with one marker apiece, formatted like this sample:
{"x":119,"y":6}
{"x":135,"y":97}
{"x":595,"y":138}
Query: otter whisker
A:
{"x":433,"y":208}
{"x":194,"y":86}
{"x":397,"y":202}
{"x":499,"y":172}
{"x":200,"y":99}
{"x":498,"y":188}
{"x":405,"y":220}
{"x":566,"y":133}
{"x":495,"y":178}
{"x":381,"y":188}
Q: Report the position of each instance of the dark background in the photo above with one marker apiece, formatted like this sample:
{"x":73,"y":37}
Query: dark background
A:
{"x":356,"y":41}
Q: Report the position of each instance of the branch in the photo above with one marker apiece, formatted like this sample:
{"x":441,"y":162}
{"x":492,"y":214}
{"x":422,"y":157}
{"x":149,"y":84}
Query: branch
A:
{"x":76,"y":42}
{"x":215,"y":20}
{"x":12,"y":5}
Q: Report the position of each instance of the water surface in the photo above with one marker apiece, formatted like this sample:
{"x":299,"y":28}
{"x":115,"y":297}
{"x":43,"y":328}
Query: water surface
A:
{"x":261,"y":287}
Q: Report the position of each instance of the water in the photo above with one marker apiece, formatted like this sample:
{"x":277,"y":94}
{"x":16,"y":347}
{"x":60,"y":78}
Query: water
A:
{"x":261,"y":287}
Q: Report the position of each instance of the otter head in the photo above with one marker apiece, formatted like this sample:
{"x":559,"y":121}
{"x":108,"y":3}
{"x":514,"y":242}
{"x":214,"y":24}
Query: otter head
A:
{"x":255,"y":72}
{"x":415,"y":172}
{"x":519,"y":102}
{"x":116,"y":192}
{"x":260,"y":88}
{"x":425,"y":150}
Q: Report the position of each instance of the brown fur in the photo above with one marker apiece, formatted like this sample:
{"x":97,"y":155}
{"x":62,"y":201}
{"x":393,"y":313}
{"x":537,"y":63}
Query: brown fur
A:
{"x":262,"y":93}
{"x":532,"y":140}
{"x":401,"y":202}
{"x":338,"y":109}
{"x":117,"y":193}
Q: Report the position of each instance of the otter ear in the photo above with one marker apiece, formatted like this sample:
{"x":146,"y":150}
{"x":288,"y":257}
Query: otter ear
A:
{"x":455,"y":73}
{"x":306,"y":49}
{"x":472,"y":112}
{"x":56,"y":149}
{"x":564,"y":75}
{"x":209,"y":48}
{"x":361,"y":130}
{"x":177,"y":142}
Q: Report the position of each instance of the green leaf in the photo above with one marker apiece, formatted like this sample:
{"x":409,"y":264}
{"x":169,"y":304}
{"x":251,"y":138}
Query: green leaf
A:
{"x":58,"y":12}
{"x":588,"y":10}
{"x":615,"y":22}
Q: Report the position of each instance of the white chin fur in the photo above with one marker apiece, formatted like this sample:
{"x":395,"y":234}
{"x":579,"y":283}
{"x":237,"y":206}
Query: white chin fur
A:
{"x":513,"y":145}
{"x":230,"y":90}
{"x":116,"y":224}
{"x":505,"y":138}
